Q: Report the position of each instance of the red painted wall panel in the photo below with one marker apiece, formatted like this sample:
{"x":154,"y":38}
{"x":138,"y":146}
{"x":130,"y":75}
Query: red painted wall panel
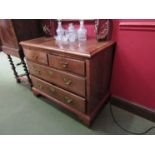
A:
{"x":134,"y":66}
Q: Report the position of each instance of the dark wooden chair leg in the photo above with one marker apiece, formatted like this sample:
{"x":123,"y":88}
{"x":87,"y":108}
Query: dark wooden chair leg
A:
{"x":20,"y":63}
{"x":13,"y":68}
{"x":26,"y":71}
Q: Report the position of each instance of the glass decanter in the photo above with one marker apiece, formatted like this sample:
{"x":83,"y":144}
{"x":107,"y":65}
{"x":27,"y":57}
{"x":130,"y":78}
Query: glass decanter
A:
{"x":72,"y":34}
{"x":60,"y":31}
{"x":82,"y":32}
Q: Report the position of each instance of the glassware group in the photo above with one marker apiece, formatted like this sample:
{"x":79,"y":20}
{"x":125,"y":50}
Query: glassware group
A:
{"x":71,"y":34}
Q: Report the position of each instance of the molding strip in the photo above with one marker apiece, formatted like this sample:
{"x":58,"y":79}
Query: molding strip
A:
{"x":137,"y":26}
{"x":134,"y":108}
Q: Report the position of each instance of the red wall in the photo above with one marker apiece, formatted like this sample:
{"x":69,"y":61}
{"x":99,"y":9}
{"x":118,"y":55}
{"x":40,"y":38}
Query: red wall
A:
{"x":134,"y":66}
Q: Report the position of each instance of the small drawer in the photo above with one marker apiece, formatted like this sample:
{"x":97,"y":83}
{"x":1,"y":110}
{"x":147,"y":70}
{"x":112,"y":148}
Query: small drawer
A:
{"x":36,"y":55}
{"x":68,"y":98}
{"x":65,"y":80}
{"x":67,"y":64}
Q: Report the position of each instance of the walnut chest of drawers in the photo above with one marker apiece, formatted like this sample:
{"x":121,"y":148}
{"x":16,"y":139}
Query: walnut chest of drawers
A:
{"x":76,"y":75}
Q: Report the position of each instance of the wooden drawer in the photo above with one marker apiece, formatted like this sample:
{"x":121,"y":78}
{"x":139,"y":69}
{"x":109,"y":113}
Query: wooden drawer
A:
{"x":36,"y":55}
{"x":65,"y":80}
{"x":67,"y":64}
{"x":60,"y":94}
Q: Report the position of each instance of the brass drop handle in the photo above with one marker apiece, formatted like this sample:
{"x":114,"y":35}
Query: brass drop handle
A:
{"x":50,"y":73}
{"x":35,"y":56}
{"x":68,"y":100}
{"x":52,"y":90}
{"x":64,"y":64}
{"x":38,"y":71}
{"x":40,"y":86}
{"x":67,"y":81}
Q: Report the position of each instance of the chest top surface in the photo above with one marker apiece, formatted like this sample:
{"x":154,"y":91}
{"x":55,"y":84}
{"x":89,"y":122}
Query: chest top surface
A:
{"x":86,"y":49}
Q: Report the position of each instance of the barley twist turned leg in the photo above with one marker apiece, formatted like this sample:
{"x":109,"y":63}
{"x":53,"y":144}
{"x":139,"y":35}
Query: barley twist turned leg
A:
{"x":14,"y":69}
{"x":26,"y":71}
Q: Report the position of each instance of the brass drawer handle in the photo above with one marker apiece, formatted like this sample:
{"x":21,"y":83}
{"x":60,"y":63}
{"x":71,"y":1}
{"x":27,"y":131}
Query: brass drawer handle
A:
{"x":35,"y":56}
{"x":40,"y":86}
{"x":68,"y":100}
{"x":64,"y":64}
{"x":67,"y":81}
{"x":37,"y":71}
{"x":53,"y":90}
{"x":50,"y":73}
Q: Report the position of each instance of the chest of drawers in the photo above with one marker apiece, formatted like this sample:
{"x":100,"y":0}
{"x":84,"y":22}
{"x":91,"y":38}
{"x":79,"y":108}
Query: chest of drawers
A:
{"x":76,"y":76}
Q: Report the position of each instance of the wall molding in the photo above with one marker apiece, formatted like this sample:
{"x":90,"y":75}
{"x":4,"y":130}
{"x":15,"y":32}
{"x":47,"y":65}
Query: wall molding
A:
{"x":134,"y":108}
{"x":137,"y":26}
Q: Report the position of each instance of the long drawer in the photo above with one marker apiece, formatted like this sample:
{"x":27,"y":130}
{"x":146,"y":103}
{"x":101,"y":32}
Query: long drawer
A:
{"x":67,"y":64}
{"x":63,"y":79}
{"x":68,"y":98}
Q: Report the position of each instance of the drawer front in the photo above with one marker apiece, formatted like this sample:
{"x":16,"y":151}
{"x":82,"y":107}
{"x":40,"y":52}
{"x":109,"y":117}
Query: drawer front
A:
{"x":36,"y":55}
{"x":67,"y":64}
{"x":65,"y":80}
{"x":70,"y":99}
